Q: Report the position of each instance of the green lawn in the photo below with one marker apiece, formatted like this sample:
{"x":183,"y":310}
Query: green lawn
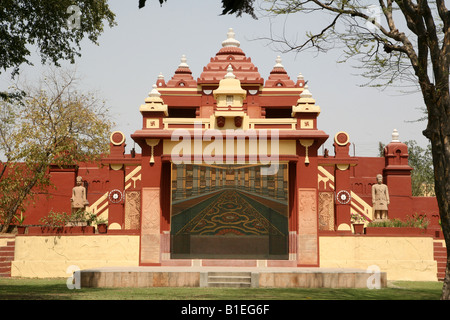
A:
{"x":56,"y":289}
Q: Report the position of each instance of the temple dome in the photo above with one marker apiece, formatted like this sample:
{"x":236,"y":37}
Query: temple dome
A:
{"x":278,"y":76}
{"x":230,"y":54}
{"x":229,"y":85}
{"x":183,"y":76}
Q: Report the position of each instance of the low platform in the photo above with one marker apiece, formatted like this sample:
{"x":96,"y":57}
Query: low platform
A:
{"x":141,"y":277}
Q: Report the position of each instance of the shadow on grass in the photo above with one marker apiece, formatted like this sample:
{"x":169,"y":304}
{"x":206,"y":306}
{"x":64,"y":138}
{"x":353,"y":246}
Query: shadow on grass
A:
{"x":56,"y":289}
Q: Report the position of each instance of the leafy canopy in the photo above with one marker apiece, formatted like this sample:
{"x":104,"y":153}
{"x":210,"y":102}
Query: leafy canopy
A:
{"x":52,"y":124}
{"x":54,"y":27}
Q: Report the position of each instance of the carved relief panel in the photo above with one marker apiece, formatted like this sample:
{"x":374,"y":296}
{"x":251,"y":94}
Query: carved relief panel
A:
{"x":132,"y":210}
{"x":307,"y":227}
{"x":326,"y":211}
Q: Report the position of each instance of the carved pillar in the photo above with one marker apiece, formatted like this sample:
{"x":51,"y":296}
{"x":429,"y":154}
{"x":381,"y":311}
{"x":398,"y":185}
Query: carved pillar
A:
{"x":308,"y":241}
{"x":265,"y":191}
{"x":151,"y":212}
{"x":252,"y":178}
{"x":208,"y":179}
{"x":195,"y":179}
{"x":150,"y":227}
{"x":342,"y":204}
{"x":307,"y":204}
{"x":180,"y":192}
{"x":216,"y":173}
{"x":280,"y":182}
{"x":342,"y":185}
{"x":116,"y":218}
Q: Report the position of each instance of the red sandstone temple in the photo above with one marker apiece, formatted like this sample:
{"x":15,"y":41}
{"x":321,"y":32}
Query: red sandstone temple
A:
{"x":230,"y":174}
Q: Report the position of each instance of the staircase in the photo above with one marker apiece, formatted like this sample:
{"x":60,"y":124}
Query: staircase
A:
{"x":230,"y":279}
{"x":7,"y":245}
{"x":440,"y":255}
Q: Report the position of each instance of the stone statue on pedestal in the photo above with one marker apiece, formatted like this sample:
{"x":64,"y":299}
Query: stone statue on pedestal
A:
{"x":380,"y":199}
{"x":79,"y":200}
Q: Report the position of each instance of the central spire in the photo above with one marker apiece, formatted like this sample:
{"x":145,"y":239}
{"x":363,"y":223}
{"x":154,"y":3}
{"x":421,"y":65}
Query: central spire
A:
{"x":230,"y":41}
{"x":230,"y":53}
{"x":230,"y":74}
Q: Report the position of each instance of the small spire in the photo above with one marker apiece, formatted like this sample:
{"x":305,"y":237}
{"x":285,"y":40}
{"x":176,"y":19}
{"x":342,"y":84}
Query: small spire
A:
{"x":278,"y":63}
{"x":395,"y":136}
{"x":160,"y":76}
{"x":231,"y":41}
{"x":230,"y":74}
{"x":300,"y":77}
{"x":183,"y":63}
{"x":154,"y":93}
{"x":306,"y":93}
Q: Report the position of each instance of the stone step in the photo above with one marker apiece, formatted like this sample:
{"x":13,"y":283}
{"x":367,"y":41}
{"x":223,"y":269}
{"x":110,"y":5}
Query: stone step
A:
{"x":230,"y":279}
{"x":6,"y":256}
{"x":230,"y":273}
{"x":440,"y":252}
{"x":229,"y":285}
{"x":7,"y":249}
{"x":6,"y":259}
{"x":6,"y":253}
{"x":5,"y":268}
{"x":440,"y":255}
{"x":441,"y":259}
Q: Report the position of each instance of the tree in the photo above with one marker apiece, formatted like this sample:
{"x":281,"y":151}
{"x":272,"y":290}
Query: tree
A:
{"x":54,"y":27}
{"x":52,"y":124}
{"x":237,"y":7}
{"x":394,"y":40}
{"x":422,"y":176}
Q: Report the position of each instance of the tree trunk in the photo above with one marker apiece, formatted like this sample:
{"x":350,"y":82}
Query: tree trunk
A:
{"x":446,"y":287}
{"x":442,"y":187}
{"x":438,"y":131}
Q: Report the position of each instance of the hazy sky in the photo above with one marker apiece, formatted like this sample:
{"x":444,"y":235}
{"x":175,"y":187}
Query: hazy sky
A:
{"x":151,"y":40}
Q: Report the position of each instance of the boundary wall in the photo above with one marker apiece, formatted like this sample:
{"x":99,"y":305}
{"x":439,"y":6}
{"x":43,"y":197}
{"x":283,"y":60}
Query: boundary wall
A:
{"x":46,"y":256}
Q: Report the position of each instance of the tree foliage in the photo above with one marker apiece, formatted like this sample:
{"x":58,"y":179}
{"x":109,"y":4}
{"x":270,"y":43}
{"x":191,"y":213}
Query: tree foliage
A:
{"x":422,"y":176}
{"x":52,"y":124}
{"x":55,"y":27}
{"x":237,"y":7}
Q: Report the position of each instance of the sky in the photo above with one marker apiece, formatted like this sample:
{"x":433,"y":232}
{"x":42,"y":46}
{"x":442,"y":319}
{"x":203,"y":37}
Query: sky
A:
{"x":151,"y":40}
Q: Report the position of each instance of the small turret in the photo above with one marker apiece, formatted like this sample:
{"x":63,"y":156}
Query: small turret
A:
{"x":183,"y":75}
{"x":397,"y":172}
{"x":153,"y":110}
{"x":306,"y":110}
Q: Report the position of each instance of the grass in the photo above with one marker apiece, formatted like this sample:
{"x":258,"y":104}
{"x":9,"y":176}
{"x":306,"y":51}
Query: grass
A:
{"x":56,"y":289}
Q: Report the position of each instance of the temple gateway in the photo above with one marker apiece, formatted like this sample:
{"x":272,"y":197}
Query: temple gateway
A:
{"x":229,"y":175}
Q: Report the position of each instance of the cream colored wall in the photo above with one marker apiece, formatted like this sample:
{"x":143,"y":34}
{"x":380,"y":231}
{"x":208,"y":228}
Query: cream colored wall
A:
{"x":402,"y":258}
{"x":50,"y":256}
